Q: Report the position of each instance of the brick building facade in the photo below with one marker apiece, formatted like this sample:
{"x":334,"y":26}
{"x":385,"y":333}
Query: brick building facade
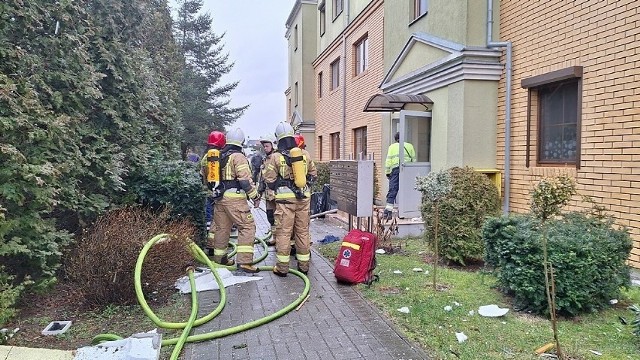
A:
{"x":343,"y":86}
{"x":584,"y":54}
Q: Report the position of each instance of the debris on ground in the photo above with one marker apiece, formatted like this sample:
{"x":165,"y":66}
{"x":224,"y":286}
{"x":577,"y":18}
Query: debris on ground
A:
{"x":543,"y":349}
{"x":461,"y":337}
{"x":397,"y":272}
{"x":613,"y":301}
{"x":380,"y":251}
{"x":329,"y":239}
{"x":598,"y":353}
{"x":448,"y":308}
{"x":404,"y":310}
{"x":492,"y":311}
{"x":417,"y":270}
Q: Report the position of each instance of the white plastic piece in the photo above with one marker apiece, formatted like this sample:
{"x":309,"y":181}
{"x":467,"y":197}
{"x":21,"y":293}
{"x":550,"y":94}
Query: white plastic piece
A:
{"x":404,"y":310}
{"x":461,"y":337}
{"x":380,"y":251}
{"x":492,"y":311}
{"x":471,"y":312}
{"x":613,"y":301}
{"x":397,"y":272}
{"x":598,"y":353}
{"x":142,"y":346}
{"x":448,"y":308}
{"x":456,"y":303}
{"x":418,"y":270}
{"x":56,"y":328}
{"x":205,"y":280}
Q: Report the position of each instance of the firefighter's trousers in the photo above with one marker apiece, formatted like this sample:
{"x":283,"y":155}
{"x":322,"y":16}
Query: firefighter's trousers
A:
{"x":292,"y":217}
{"x":228,"y":211}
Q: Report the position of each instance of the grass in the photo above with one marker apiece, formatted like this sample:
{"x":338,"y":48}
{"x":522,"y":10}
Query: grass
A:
{"x":515,"y":336}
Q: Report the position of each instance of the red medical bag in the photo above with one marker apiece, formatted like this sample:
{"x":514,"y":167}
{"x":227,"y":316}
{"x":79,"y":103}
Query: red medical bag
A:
{"x":357,"y":258}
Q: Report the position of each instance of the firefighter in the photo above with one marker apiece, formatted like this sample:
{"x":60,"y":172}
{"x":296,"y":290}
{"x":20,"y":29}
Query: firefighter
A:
{"x":268,"y":142}
{"x":217,"y":141}
{"x":231,"y":206}
{"x":288,"y":174}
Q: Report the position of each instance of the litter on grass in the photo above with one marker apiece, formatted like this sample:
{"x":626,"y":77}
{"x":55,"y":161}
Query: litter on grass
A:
{"x":380,"y":251}
{"x":492,"y":311}
{"x":461,"y":337}
{"x":417,"y":270}
{"x":404,"y":310}
{"x":448,"y":308}
{"x":397,"y":272}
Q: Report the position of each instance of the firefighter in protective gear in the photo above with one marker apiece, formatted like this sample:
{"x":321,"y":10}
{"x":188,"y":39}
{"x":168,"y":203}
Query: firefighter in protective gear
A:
{"x":216,"y":141}
{"x":392,"y":170}
{"x":268,"y":145}
{"x":231,"y":205}
{"x":292,"y":202}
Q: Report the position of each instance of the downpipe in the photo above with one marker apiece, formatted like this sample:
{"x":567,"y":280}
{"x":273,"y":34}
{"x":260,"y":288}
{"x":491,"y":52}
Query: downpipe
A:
{"x":508,"y":89}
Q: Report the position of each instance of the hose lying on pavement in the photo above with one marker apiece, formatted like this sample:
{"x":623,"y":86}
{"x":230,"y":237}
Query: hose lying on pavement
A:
{"x":200,"y":256}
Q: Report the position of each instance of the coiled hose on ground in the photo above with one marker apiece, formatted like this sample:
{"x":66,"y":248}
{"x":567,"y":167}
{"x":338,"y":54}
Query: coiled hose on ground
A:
{"x":201,"y":257}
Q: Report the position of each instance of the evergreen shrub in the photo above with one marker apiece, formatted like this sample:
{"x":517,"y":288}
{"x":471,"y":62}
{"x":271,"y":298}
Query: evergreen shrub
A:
{"x":176,"y":184}
{"x":462,"y":211}
{"x":588,"y":256}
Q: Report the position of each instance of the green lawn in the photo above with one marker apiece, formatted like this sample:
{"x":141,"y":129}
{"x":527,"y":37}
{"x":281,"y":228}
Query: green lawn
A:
{"x":514,"y":336}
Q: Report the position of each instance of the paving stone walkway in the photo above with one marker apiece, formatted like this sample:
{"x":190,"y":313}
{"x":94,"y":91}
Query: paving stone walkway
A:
{"x":334,"y":323}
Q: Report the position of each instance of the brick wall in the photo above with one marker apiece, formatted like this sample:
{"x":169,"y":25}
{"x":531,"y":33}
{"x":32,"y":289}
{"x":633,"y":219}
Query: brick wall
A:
{"x":329,"y":108}
{"x":604,"y":38}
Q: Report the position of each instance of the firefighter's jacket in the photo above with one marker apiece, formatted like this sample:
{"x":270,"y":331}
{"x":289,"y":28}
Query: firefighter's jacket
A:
{"x":279,"y":176}
{"x":236,"y":178}
{"x":393,"y":156}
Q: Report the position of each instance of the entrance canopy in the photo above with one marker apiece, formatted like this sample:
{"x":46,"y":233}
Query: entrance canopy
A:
{"x":394,"y":102}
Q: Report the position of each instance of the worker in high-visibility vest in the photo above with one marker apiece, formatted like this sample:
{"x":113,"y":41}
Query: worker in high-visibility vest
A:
{"x":230,"y":198}
{"x":392,"y":170}
{"x":288,"y":174}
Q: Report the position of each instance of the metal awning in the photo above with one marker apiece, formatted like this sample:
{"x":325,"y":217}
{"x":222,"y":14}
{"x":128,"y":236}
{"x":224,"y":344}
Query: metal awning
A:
{"x":394,"y":102}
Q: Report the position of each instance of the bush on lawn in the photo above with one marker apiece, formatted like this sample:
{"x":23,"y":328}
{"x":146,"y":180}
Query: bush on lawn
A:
{"x":472,"y":198}
{"x":588,"y":256}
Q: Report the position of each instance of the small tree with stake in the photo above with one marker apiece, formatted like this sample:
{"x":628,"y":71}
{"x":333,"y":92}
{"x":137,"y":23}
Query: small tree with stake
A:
{"x":434,"y":187}
{"x":547,"y":200}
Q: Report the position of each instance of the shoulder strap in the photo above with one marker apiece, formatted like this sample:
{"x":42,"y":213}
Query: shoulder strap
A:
{"x":407,"y":151}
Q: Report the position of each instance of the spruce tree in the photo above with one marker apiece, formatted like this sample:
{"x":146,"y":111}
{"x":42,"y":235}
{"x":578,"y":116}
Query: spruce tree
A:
{"x":204,"y":100}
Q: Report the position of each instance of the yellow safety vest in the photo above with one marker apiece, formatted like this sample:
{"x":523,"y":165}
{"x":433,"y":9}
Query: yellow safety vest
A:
{"x":393,"y":156}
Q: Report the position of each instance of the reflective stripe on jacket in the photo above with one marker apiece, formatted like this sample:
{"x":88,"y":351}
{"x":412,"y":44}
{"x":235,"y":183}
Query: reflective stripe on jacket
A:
{"x":393,"y":156}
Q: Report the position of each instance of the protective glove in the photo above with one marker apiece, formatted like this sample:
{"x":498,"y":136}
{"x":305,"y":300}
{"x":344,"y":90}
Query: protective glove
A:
{"x":388,"y":176}
{"x":256,"y":202}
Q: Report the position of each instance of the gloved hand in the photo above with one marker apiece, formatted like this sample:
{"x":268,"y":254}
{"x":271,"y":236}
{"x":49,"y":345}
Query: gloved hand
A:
{"x":388,"y":176}
{"x":256,"y":202}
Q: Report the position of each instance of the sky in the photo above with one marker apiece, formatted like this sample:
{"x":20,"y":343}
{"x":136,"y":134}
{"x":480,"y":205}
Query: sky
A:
{"x":255,"y":41}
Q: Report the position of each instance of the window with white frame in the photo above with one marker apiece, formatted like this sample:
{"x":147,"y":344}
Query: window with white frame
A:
{"x":337,"y":8}
{"x":361,"y":55}
{"x":323,"y":19}
{"x":419,"y":8}
{"x":335,"y":74}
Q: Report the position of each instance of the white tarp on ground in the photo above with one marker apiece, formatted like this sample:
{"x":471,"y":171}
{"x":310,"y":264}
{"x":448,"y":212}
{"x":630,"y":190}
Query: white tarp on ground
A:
{"x":205,"y":280}
{"x":142,"y":346}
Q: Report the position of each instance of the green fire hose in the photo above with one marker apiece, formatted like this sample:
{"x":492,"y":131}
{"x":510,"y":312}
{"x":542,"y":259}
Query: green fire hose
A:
{"x":200,"y":256}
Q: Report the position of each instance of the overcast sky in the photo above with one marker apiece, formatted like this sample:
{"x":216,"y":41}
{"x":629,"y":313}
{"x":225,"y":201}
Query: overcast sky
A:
{"x":255,"y":41}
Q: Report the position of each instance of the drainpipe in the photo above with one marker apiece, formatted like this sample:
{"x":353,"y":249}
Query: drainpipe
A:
{"x":507,"y":100}
{"x":344,"y":81}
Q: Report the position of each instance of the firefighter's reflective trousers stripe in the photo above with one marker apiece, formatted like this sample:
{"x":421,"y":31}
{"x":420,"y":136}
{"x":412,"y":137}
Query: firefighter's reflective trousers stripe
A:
{"x":228,"y":211}
{"x":292,"y":217}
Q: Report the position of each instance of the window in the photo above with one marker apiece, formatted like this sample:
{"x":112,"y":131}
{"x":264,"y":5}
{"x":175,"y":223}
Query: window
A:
{"x":335,"y":74}
{"x":289,"y":107}
{"x":296,"y":93}
{"x":335,"y":145}
{"x":360,"y":143}
{"x":419,"y":8}
{"x":295,"y":38}
{"x":323,"y":20}
{"x":558,"y":123}
{"x":319,"y":148}
{"x":320,"y":84}
{"x":362,"y":55}
{"x":555,"y":102}
{"x":337,"y":8}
